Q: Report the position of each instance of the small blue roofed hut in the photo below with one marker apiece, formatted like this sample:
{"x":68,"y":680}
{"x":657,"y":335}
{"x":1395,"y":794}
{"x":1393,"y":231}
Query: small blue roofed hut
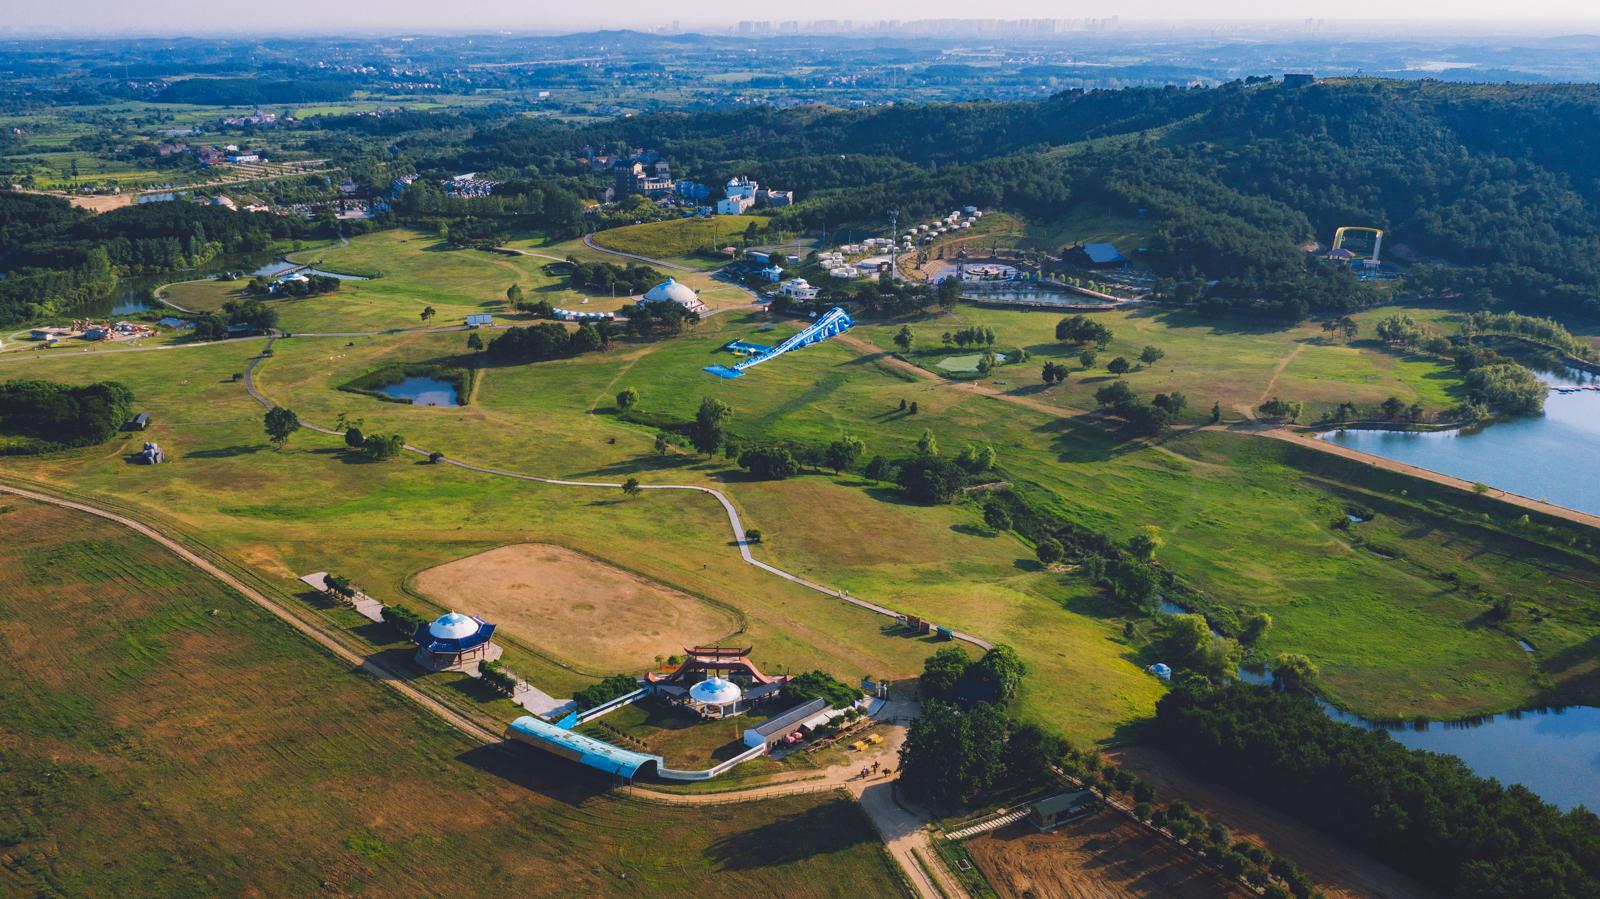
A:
{"x":455,"y":641}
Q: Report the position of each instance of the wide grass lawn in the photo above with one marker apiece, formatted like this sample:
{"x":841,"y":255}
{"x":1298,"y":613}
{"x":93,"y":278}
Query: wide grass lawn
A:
{"x":683,"y":241}
{"x":1247,"y":521}
{"x":1236,"y":365}
{"x":162,"y":736}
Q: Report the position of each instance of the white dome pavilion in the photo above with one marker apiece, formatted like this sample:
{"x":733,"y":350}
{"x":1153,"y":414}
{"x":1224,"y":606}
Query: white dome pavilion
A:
{"x":716,"y":691}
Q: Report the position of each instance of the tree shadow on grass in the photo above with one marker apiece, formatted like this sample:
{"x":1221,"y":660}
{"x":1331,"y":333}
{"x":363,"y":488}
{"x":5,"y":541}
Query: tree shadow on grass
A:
{"x":972,"y":530}
{"x":1084,"y":438}
{"x":225,"y":452}
{"x":827,"y":829}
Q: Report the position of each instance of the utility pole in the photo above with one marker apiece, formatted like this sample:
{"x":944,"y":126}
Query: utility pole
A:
{"x":894,"y":243}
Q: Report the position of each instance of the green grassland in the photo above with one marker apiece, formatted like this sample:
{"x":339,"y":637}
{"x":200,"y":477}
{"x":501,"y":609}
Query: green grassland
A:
{"x":1208,"y":360}
{"x":170,"y":738}
{"x":1394,"y":636}
{"x":681,"y":240}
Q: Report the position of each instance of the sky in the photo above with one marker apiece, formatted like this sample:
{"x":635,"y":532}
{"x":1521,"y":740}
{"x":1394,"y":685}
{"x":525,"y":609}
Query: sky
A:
{"x":400,"y":16}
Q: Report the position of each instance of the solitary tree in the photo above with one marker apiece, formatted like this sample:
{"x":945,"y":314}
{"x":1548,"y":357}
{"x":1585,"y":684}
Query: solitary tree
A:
{"x":707,"y":433}
{"x":1118,"y":366}
{"x":514,"y":294}
{"x":353,"y":438}
{"x":1293,"y":672}
{"x":427,"y":312}
{"x":1086,"y":358}
{"x":928,"y":445}
{"x":631,"y":487}
{"x":280,"y":423}
{"x":661,"y":443}
{"x":1145,"y":544}
{"x":627,"y":398}
{"x":752,"y":535}
{"x":475,"y":342}
{"x":903,"y":338}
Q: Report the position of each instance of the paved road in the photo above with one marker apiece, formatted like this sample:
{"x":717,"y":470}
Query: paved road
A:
{"x":588,"y":241}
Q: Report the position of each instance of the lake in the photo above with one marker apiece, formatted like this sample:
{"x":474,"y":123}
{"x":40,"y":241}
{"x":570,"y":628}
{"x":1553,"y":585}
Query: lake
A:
{"x":1550,"y":457}
{"x":1553,"y":752}
{"x":423,"y":391}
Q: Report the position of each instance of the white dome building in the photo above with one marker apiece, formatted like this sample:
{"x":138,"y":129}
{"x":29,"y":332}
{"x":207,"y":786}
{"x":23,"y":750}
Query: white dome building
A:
{"x":455,"y":641}
{"x":671,"y":291}
{"x":715,"y":697}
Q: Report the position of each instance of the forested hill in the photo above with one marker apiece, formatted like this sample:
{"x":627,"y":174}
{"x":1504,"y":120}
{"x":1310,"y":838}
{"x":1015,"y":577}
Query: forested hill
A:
{"x":1497,"y":181}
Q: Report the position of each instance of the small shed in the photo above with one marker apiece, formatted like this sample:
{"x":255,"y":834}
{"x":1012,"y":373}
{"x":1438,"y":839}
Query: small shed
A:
{"x":479,"y":319}
{"x":1097,"y":255}
{"x":1053,"y":811}
{"x":139,"y":422}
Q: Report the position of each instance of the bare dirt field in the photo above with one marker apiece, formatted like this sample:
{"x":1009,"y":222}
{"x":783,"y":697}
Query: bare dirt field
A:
{"x":575,"y":608}
{"x":98,"y":203}
{"x":1103,"y":855}
{"x":1339,"y":870}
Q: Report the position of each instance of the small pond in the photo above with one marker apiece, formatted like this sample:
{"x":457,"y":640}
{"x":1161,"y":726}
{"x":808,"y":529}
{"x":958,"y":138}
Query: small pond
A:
{"x":423,"y":391}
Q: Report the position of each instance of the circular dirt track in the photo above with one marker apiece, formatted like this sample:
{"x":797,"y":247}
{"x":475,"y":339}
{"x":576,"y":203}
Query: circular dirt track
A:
{"x":575,"y":608}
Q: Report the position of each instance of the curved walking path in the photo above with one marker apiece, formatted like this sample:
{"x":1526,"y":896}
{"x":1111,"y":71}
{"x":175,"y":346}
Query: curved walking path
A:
{"x":735,"y":523}
{"x":588,"y":241}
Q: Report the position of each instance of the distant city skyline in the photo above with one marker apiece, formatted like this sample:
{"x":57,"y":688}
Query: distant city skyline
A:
{"x":416,"y":16}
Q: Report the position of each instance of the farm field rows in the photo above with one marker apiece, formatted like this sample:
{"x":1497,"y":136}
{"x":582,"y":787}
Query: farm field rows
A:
{"x":171,"y":738}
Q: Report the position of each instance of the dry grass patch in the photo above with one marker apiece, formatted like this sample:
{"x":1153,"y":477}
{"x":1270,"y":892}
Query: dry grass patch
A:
{"x":576,"y":608}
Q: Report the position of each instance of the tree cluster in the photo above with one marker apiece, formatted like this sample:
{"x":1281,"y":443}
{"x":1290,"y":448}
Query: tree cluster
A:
{"x":1424,"y":813}
{"x":56,"y":415}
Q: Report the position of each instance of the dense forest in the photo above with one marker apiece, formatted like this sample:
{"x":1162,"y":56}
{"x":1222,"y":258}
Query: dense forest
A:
{"x":54,"y":256}
{"x":1425,"y":813}
{"x":1490,"y":179}
{"x":47,"y":415}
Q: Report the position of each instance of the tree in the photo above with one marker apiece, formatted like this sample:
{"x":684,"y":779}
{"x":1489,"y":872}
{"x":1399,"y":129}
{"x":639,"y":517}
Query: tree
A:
{"x":1033,"y":754}
{"x":1145,"y":544}
{"x":878,"y":469}
{"x":930,"y":479}
{"x":913,"y":410}
{"x":1276,"y":408}
{"x":1087,"y":357}
{"x":1150,"y":355}
{"x":1216,"y":412}
{"x":752,"y":535}
{"x":1254,"y":627}
{"x":475,"y":342}
{"x":1119,"y":366}
{"x":661,"y":443}
{"x":1293,"y":673}
{"x":842,"y":454}
{"x":769,"y":463}
{"x":514,"y":295}
{"x":1174,"y":402}
{"x":280,"y":423}
{"x":1001,"y":668}
{"x":381,"y":449}
{"x":435,"y":457}
{"x":627,"y":398}
{"x":942,"y":671}
{"x":1049,"y":551}
{"x":953,"y":756}
{"x":428,"y":312}
{"x":707,"y":432}
{"x":928,"y":445}
{"x":996,"y":517}
{"x":631,"y":487}
{"x":353,"y":438}
{"x":903,"y":338}
{"x":1054,"y":373}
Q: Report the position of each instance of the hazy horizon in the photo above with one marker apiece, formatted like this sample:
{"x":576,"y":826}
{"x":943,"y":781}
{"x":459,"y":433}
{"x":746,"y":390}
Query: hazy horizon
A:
{"x":402,"y":17}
